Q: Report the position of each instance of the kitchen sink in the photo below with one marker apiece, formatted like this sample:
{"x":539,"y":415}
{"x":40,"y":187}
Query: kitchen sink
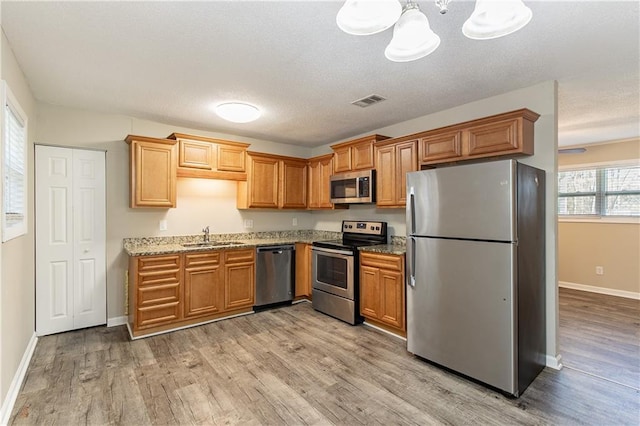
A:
{"x":211,"y":244}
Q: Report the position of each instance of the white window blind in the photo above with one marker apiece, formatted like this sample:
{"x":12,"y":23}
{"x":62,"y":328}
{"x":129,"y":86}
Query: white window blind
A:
{"x":14,"y":168}
{"x":603,"y":191}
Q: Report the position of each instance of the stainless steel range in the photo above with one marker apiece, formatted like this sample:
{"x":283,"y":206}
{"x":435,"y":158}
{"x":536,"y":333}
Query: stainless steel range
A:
{"x":335,"y":270}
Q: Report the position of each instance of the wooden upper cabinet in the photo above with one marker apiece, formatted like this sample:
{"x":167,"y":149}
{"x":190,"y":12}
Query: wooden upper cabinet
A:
{"x":439,"y":147}
{"x":152,"y":172}
{"x":293,"y":181}
{"x":273,"y":182}
{"x":506,"y":134}
{"x":211,"y":158}
{"x":318,"y":183}
{"x":394,"y":159}
{"x":357,"y":154}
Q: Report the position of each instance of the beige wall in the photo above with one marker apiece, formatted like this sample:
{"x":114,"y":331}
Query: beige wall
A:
{"x":615,"y":246}
{"x":17,"y":308}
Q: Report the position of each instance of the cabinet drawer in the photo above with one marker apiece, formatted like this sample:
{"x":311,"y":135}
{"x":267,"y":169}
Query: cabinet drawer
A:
{"x":382,"y":261}
{"x":155,"y":263}
{"x":151,"y":316}
{"x":238,"y":256}
{"x":201,"y":259}
{"x":159,"y":294}
{"x":158,"y":278}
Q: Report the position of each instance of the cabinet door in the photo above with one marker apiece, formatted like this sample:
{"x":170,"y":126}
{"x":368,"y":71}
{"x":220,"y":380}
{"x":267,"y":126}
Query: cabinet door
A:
{"x":303,"y":270}
{"x":369,"y":291}
{"x":195,"y":155}
{"x":153,"y":173}
{"x":263,"y":182}
{"x":203,"y":289}
{"x":386,"y":176}
{"x":406,"y":161}
{"x":391,"y":298}
{"x":239,"y":279}
{"x":326,"y":170}
{"x":440,"y":147}
{"x":500,"y":138}
{"x":362,"y":156}
{"x":231,"y":158}
{"x":342,"y":159}
{"x":294,"y":184}
{"x":313,"y":185}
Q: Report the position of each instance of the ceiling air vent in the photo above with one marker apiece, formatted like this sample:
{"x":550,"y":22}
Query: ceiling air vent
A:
{"x":369,"y":100}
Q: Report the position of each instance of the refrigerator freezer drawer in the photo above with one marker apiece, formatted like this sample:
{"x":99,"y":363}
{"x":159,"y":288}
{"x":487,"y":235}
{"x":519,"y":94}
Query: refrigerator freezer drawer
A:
{"x":461,"y":311}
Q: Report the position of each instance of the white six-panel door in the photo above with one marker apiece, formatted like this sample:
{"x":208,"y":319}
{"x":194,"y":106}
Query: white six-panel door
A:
{"x":70,"y":239}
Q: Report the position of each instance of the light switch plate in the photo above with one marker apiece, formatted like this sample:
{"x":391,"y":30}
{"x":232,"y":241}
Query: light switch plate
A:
{"x":163,"y":225}
{"x":248,"y":223}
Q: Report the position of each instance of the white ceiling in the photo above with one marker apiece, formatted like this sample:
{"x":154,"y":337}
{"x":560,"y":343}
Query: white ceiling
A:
{"x":170,"y":61}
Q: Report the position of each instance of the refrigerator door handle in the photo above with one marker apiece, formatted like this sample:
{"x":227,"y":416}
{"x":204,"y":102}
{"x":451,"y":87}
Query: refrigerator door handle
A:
{"x":411,"y":253}
{"x":412,"y":210}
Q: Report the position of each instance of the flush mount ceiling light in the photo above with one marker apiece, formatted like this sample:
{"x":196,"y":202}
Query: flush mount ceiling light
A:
{"x":412,"y":35}
{"x":238,"y":112}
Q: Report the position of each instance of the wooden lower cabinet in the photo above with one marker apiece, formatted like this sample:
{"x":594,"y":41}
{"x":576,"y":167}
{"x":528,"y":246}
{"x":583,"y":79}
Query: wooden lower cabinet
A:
{"x":203,"y":285}
{"x":177,"y":290}
{"x":239,"y":282}
{"x":382,"y":292}
{"x":303,"y":271}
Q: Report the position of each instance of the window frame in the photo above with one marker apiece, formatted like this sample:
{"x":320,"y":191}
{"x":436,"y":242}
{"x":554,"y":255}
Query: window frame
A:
{"x":600,"y":193}
{"x":9,"y":100}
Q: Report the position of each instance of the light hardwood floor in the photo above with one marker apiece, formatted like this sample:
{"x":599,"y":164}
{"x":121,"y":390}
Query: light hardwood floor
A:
{"x":285,"y":366}
{"x":600,"y":335}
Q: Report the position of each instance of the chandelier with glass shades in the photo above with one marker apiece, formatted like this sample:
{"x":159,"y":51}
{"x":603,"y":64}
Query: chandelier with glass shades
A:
{"x":412,"y":36}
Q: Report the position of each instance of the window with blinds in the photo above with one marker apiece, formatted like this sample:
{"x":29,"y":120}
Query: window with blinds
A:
{"x":14,"y":167}
{"x":602,"y":191}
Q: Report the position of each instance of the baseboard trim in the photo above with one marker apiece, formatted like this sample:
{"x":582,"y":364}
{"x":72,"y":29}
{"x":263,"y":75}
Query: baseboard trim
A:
{"x":554,"y":362}
{"x":600,"y":290}
{"x":16,"y":383}
{"x":115,"y":321}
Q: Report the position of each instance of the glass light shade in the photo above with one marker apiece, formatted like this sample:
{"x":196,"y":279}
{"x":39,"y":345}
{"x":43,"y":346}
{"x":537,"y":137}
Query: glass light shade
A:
{"x":496,"y":18}
{"x":238,"y":112}
{"x":412,"y":38}
{"x":366,"y":17}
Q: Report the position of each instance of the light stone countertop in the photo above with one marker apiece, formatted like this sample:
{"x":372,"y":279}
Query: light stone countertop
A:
{"x":148,"y":246}
{"x":397,"y":249}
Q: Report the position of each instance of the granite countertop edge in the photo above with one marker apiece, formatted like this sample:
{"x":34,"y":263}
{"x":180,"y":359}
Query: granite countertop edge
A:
{"x":396,"y":249}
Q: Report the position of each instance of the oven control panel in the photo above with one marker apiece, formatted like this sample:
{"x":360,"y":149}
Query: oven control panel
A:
{"x":364,"y":227}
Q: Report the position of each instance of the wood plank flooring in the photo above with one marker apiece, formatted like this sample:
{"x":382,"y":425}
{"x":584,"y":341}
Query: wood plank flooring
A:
{"x":600,"y":335}
{"x":290,"y":366}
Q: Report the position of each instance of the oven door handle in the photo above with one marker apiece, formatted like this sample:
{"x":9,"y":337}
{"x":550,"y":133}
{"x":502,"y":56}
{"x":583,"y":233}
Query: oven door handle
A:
{"x":334,"y":251}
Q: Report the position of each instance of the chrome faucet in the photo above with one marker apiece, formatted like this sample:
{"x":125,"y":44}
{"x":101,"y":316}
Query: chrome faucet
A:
{"x":206,"y":234}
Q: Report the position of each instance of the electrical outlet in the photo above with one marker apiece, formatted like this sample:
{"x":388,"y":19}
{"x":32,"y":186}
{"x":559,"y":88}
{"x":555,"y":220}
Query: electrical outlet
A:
{"x":295,"y":221}
{"x":599,"y":270}
{"x":163,"y":225}
{"x":248,"y":223}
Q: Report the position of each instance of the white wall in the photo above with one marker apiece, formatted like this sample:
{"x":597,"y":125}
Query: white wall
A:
{"x":199,"y":202}
{"x":541,"y":98}
{"x":17,"y":307}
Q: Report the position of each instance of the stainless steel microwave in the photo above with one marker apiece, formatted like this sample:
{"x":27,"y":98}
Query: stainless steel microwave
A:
{"x":353,"y":187}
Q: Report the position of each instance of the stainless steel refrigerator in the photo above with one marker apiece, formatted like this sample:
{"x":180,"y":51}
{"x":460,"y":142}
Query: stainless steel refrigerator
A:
{"x":476,"y":271}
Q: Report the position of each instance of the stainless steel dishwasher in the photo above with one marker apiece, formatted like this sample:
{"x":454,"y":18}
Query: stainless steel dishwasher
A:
{"x":275,"y":274}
